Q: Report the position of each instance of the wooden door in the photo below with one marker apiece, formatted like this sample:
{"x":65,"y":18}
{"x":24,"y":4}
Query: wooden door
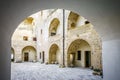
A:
{"x":26,"y":57}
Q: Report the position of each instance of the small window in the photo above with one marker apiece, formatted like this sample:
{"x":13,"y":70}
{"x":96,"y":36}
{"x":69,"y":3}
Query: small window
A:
{"x":79,"y":55}
{"x":25,"y":38}
{"x":87,"y":22}
{"x":73,"y":25}
{"x":40,"y":55}
{"x":41,"y":31}
{"x":34,"y":39}
{"x":52,"y":34}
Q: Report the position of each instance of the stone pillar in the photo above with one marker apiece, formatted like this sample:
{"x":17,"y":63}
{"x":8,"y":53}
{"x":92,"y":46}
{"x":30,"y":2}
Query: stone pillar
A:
{"x":18,"y":58}
{"x":18,"y":55}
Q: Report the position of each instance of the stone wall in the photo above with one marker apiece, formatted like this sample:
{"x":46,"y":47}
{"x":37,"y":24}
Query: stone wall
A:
{"x":66,"y":32}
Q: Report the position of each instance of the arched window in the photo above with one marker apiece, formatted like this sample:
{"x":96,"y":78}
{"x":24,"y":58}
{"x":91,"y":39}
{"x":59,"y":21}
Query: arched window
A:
{"x":53,"y":27}
{"x":72,"y":20}
{"x":28,"y":20}
{"x":25,"y":38}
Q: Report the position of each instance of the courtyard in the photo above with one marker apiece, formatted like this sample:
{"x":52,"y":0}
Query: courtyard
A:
{"x":38,"y":71}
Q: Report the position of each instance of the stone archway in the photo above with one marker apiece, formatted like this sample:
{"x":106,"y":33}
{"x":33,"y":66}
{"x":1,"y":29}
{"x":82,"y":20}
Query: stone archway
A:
{"x":79,"y":54}
{"x":54,"y":54}
{"x":29,"y":54}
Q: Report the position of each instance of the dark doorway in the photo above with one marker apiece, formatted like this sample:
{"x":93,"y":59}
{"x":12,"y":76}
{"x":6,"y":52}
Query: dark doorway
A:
{"x":26,"y":56}
{"x":78,"y":55}
{"x":43,"y":59}
{"x":87,"y":58}
{"x":12,"y":57}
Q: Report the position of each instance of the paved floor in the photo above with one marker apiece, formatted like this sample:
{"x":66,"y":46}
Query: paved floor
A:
{"x":37,"y":71}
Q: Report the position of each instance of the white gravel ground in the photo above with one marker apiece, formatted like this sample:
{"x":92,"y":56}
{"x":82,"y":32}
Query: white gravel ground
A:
{"x":37,"y":71}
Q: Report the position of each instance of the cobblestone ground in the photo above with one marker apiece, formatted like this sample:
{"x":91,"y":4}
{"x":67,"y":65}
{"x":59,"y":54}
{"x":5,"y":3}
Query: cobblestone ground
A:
{"x":37,"y":71}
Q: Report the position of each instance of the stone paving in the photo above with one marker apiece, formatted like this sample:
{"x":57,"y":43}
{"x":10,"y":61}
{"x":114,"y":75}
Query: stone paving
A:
{"x":37,"y":71}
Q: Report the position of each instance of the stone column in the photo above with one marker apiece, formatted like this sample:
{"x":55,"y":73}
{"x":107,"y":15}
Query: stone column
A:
{"x":18,"y":55}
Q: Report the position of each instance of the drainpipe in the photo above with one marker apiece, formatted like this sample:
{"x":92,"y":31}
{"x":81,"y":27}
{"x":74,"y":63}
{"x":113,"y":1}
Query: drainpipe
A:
{"x":63,"y":36}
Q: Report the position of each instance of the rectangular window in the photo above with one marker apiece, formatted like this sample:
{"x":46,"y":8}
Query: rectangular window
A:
{"x":52,"y":34}
{"x":25,"y":38}
{"x":79,"y":55}
{"x":34,"y":39}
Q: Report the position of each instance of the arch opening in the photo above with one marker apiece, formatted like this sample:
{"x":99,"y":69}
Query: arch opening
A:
{"x":53,"y":27}
{"x":72,"y":20}
{"x":75,"y":42}
{"x":54,"y":54}
{"x":79,"y":54}
{"x":28,"y":54}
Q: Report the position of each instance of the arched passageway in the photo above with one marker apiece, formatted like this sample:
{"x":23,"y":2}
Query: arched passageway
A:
{"x":54,"y":54}
{"x":29,"y":54}
{"x":79,"y":54}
